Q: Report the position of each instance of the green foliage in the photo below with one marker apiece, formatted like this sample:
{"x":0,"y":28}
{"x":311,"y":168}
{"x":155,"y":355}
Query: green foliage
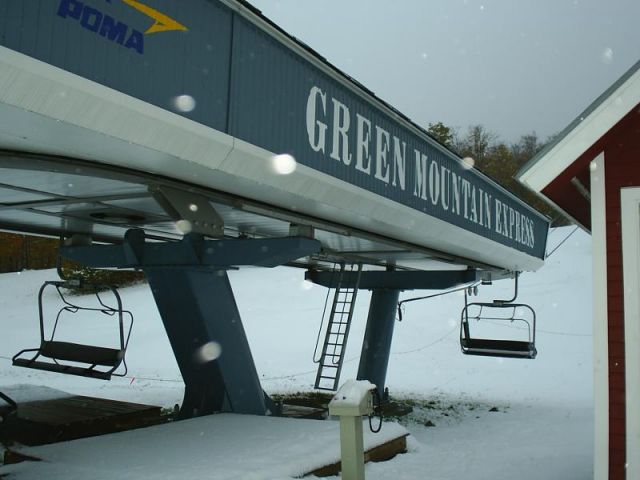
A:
{"x":500,"y":162}
{"x":442,"y":133}
{"x":96,"y":276}
{"x":24,"y":252}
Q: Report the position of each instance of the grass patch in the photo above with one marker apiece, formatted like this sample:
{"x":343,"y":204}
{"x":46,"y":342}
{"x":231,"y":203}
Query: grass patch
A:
{"x":429,"y":411}
{"x":304,"y":399}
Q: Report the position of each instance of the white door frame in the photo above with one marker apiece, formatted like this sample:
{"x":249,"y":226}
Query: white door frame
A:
{"x":630,"y":222}
{"x":600,"y":320}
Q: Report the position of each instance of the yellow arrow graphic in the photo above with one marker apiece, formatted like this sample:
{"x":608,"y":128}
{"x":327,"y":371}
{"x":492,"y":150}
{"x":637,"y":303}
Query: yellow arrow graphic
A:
{"x":163,"y":23}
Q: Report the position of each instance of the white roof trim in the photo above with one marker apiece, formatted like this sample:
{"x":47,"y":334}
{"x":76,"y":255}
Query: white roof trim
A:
{"x":588,"y":130}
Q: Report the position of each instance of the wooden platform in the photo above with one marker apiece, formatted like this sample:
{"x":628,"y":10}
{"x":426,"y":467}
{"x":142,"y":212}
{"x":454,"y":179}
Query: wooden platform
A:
{"x":233,"y":446}
{"x":57,"y":420}
{"x":309,"y":413}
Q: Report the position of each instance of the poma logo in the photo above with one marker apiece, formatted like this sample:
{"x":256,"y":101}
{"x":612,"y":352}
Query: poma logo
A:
{"x":114,"y":30}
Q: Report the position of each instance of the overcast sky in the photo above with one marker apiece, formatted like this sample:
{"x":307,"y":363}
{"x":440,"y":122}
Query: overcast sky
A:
{"x":516,"y":66}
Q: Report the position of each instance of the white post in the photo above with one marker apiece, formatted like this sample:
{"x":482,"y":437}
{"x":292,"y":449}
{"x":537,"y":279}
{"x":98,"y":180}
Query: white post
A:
{"x":350,"y":403}
{"x":351,"y":447}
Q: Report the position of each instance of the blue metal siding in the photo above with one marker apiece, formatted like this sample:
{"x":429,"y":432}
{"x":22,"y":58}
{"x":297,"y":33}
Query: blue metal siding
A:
{"x":269,"y":91}
{"x":193,"y":62}
{"x":245,"y":82}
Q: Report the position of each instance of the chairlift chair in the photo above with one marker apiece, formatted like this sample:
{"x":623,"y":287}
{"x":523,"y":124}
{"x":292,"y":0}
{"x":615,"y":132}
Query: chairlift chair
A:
{"x":54,"y":355}
{"x":499,"y":312}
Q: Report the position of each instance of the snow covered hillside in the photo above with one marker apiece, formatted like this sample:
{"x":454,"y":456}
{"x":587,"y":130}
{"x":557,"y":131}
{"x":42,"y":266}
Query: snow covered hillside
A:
{"x":543,"y":427}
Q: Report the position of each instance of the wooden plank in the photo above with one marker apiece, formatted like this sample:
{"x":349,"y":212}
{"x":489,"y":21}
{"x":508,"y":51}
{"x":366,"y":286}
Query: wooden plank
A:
{"x":72,"y":409}
{"x":62,"y":419}
{"x":381,"y":453}
{"x":299,"y":411}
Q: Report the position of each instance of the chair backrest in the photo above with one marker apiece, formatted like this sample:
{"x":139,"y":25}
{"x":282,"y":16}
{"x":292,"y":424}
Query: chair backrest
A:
{"x":507,"y":330}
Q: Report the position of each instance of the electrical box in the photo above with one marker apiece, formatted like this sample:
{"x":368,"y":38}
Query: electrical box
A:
{"x":353,"y":399}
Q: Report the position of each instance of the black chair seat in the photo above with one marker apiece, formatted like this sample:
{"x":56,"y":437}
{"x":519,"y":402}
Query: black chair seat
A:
{"x":75,"y":352}
{"x":57,"y":368}
{"x":498,"y":348}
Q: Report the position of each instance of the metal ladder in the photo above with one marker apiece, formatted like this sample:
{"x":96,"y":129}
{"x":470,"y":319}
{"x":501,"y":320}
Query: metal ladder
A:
{"x":335,"y":340}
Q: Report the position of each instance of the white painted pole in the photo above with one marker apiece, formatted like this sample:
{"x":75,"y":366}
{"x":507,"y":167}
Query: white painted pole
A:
{"x":352,"y":448}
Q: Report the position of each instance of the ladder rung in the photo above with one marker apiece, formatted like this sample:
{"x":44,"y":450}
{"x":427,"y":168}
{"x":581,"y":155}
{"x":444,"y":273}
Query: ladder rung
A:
{"x":333,"y":357}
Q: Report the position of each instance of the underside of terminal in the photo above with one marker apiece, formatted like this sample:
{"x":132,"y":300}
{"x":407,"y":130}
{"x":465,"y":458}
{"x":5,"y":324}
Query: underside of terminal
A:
{"x":259,"y":153}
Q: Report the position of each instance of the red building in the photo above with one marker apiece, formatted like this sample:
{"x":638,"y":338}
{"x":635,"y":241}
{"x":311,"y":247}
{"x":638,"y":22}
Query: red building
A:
{"x":592,"y":173}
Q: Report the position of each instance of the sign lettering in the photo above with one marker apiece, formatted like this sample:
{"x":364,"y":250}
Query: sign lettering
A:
{"x":381,"y":155}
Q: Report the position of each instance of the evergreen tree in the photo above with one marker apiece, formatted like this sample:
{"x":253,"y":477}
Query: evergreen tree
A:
{"x":442,"y":133}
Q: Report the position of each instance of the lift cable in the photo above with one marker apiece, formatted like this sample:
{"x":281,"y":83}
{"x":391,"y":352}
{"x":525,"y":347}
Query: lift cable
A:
{"x":459,"y":289}
{"x":547,"y":255}
{"x":429,"y":345}
{"x":548,"y":332}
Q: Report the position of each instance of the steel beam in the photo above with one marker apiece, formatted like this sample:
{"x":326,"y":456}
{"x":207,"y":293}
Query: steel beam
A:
{"x":193,"y":250}
{"x":396,"y":280}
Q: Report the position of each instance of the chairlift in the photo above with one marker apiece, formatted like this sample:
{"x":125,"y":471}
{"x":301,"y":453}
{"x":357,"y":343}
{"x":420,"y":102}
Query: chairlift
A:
{"x":79,"y":359}
{"x":521,"y":317}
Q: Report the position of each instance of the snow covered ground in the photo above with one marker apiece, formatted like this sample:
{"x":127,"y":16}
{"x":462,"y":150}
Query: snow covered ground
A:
{"x":543,"y":424}
{"x":207,"y":447}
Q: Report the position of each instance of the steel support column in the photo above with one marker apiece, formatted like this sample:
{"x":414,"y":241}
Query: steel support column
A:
{"x":376,"y":346}
{"x":203,"y":324}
